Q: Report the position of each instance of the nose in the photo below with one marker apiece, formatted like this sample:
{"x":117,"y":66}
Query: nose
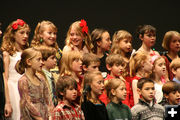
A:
{"x":97,"y":69}
{"x":26,"y":35}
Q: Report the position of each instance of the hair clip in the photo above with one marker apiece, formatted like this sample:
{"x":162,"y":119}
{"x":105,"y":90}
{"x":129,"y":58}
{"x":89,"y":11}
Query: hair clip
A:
{"x":16,"y":23}
{"x":84,"y":26}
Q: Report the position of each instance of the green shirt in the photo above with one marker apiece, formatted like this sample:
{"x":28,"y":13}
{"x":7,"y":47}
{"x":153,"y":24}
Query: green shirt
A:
{"x":118,"y":111}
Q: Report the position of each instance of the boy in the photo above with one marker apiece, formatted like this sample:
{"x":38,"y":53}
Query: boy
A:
{"x":91,"y":62}
{"x":171,"y":92}
{"x":146,"y":108}
{"x":49,"y":60}
{"x":116,"y":65}
{"x":66,"y":89}
{"x":175,"y":68}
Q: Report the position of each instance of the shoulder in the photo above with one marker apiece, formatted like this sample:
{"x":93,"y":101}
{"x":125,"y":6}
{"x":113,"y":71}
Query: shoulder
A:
{"x":66,"y":48}
{"x":6,"y":54}
{"x":160,"y":107}
{"x":23,"y":80}
{"x":136,"y":108}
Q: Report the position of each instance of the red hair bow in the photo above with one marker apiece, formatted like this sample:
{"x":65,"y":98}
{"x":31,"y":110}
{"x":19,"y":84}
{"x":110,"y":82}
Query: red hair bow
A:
{"x":84,"y":26}
{"x":18,"y":22}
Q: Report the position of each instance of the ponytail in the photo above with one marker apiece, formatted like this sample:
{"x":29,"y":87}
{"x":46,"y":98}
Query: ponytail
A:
{"x":20,"y":68}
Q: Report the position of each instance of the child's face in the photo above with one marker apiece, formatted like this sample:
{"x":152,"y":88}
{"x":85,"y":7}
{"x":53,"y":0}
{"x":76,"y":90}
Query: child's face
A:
{"x":177,"y":73}
{"x":48,"y":35}
{"x":175,"y":44}
{"x":76,"y":38}
{"x":117,"y":70}
{"x":105,"y":43}
{"x":147,"y":92}
{"x":77,"y":65}
{"x":70,"y":94}
{"x":21,"y":36}
{"x":147,"y":65}
{"x":97,"y":85}
{"x":160,"y":67}
{"x":120,"y":92}
{"x":173,"y":98}
{"x":148,"y":39}
{"x":125,"y":45}
{"x":36,"y":62}
{"x":94,"y":66}
{"x":50,"y":63}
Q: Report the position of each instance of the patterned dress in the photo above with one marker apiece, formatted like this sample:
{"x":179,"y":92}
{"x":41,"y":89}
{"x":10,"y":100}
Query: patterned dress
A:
{"x":34,"y":99}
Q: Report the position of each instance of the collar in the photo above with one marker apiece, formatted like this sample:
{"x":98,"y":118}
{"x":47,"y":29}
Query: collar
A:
{"x":176,"y":80}
{"x":146,"y":103}
{"x":63,"y":105}
{"x":47,"y":73}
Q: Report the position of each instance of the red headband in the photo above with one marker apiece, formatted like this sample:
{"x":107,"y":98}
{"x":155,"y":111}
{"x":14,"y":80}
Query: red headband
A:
{"x":16,"y":23}
{"x":84,"y":26}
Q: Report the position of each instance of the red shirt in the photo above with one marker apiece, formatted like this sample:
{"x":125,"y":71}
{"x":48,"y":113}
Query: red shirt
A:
{"x":66,"y":112}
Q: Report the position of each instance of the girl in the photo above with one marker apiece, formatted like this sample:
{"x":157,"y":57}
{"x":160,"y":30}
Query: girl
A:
{"x":101,"y":45}
{"x":116,"y":91}
{"x":33,"y":90}
{"x":158,"y":74}
{"x":122,"y":44}
{"x":92,"y":107}
{"x":71,"y":65}
{"x":171,"y":43}
{"x":15,"y":40}
{"x":78,"y":38}
{"x":140,"y":66}
{"x":147,"y":34}
{"x":46,"y":34}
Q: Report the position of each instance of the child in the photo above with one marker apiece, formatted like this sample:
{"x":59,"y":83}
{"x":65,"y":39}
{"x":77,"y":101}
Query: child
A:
{"x":146,"y":107}
{"x":116,"y":65}
{"x":15,"y":40}
{"x":71,"y":65}
{"x":90,"y":62}
{"x":66,"y":89}
{"x":46,"y":34}
{"x":116,"y":91}
{"x":158,"y":74}
{"x":34,"y":96}
{"x":122,"y":44}
{"x":101,"y":46}
{"x":175,"y":68}
{"x":49,"y":62}
{"x":140,"y":66}
{"x":171,"y":91}
{"x":78,"y":38}
{"x":92,"y":107}
{"x":147,"y":34}
{"x":171,"y":43}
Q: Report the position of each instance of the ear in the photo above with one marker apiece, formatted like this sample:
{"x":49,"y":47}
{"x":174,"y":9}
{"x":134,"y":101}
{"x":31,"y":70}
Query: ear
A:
{"x":173,"y":71}
{"x":141,"y":37}
{"x":108,"y":67}
{"x":113,"y":92}
{"x":166,"y":96}
{"x":139,"y":91}
{"x":61,"y":93}
{"x":98,"y":43}
{"x":84,"y":67}
{"x":28,"y":61}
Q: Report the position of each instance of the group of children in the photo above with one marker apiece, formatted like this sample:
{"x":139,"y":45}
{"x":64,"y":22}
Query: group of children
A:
{"x":92,"y":78}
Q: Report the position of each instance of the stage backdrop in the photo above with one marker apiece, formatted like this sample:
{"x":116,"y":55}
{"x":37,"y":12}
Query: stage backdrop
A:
{"x":112,"y":15}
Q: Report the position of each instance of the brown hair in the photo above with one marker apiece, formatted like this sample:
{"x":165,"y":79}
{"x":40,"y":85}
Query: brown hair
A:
{"x":142,"y":81}
{"x":89,"y":58}
{"x":175,"y":64}
{"x":170,"y":86}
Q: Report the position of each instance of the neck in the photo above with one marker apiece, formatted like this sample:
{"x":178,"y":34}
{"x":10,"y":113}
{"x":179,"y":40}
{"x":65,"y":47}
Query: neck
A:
{"x":18,"y":47}
{"x":67,"y":102}
{"x":115,"y":100}
{"x":75,"y":76}
{"x":141,"y":73}
{"x":157,"y":79}
{"x":94,"y":98}
{"x":100,"y":52}
{"x":145,"y":48}
{"x":30,"y":73}
{"x":44,"y":67}
{"x":172,"y":54}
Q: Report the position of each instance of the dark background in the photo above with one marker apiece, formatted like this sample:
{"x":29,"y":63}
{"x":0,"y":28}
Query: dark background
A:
{"x":112,"y":15}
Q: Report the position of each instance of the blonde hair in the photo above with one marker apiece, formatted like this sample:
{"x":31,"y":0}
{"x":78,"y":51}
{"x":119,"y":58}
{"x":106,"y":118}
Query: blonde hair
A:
{"x":8,"y":43}
{"x":112,"y":84}
{"x":117,"y":37}
{"x":167,"y":39}
{"x":96,"y":36}
{"x":175,"y":64}
{"x":66,"y":63}
{"x":78,"y":28}
{"x":39,"y":30}
{"x":28,"y":53}
{"x":136,"y":61}
{"x":88,"y":78}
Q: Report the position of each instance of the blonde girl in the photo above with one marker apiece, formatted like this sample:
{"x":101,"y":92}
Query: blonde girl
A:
{"x":171,"y":43}
{"x":91,"y":105}
{"x":116,"y":92}
{"x":158,"y":76}
{"x":34,"y":96}
{"x":15,"y":40}
{"x":140,"y":66}
{"x":71,"y":65}
{"x":122,"y":44}
{"x":78,"y":38}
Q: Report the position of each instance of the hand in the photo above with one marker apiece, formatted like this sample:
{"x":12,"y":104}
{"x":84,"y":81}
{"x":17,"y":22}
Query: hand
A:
{"x":7,"y":110}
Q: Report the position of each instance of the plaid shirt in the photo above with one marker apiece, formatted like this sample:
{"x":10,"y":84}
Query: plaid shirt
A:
{"x":66,"y":112}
